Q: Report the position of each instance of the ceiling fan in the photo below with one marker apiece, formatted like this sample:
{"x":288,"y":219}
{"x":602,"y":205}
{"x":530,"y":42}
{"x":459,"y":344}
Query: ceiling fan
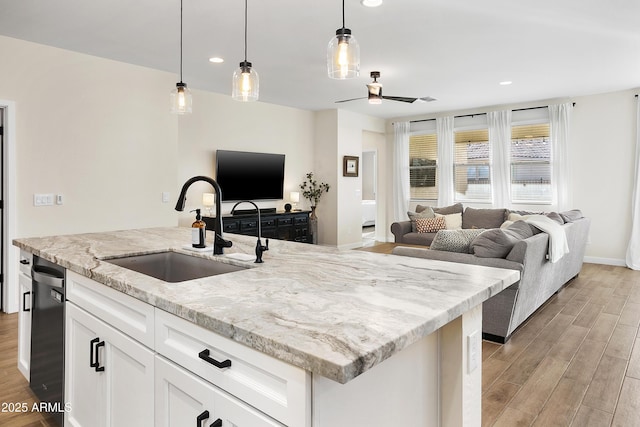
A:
{"x":375,"y":94}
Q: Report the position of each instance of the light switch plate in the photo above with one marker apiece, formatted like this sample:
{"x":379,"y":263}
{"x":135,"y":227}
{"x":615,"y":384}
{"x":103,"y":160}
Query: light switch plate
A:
{"x":165,"y":197}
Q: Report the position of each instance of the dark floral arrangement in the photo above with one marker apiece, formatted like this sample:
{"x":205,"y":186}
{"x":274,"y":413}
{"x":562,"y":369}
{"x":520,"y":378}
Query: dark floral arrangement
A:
{"x":312,"y":191}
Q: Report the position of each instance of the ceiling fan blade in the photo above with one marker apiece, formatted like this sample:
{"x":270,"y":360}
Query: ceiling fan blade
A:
{"x":399,"y":98}
{"x":352,"y":99}
{"x":410,"y":100}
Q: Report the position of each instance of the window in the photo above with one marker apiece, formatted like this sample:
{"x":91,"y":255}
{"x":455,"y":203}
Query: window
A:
{"x":471,"y":168}
{"x":423,"y":155}
{"x":530,"y":164}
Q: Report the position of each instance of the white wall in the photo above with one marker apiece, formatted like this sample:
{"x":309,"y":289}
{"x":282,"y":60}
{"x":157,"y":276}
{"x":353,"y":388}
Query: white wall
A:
{"x":218,"y":122}
{"x":94,"y":130}
{"x":339,"y":133}
{"x":603,"y":152}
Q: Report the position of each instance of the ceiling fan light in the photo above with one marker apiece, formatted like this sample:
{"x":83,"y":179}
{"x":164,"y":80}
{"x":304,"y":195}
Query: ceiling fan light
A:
{"x":375,"y":100}
{"x":246,"y":83}
{"x":181,"y":99}
{"x":343,"y":55}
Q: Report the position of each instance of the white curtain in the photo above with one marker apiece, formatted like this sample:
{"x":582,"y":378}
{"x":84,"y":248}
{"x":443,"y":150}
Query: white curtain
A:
{"x":444,"y":127}
{"x":560,"y":119}
{"x":400,"y":170}
{"x":633,"y":250}
{"x":500,"y":154}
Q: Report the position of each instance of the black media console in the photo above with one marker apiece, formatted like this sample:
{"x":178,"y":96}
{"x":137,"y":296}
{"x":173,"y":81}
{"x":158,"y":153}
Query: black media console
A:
{"x":293,"y":226}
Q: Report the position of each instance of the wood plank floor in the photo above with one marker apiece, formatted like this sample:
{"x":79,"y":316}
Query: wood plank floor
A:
{"x":14,"y":388}
{"x":575,"y":362}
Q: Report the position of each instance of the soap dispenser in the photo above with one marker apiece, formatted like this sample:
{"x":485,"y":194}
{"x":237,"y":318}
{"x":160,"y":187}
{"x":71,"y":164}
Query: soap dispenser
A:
{"x":198,"y":231}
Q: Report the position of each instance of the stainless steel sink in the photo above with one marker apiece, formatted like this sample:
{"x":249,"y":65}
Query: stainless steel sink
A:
{"x":174,"y":266}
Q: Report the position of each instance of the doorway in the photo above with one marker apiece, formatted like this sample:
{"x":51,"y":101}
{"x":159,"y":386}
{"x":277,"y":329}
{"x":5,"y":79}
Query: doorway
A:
{"x":369,"y":197}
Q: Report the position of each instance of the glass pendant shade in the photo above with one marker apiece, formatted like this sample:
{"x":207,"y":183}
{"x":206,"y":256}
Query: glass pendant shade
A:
{"x":181,"y":100}
{"x":246,"y":83}
{"x":343,"y":55}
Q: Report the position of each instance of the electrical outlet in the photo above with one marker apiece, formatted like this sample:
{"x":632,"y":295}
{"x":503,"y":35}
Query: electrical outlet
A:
{"x":474,"y":351}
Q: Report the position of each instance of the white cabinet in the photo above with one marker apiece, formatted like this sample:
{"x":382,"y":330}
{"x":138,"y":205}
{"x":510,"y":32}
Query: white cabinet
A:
{"x":183,"y":399}
{"x":278,"y":389}
{"x":108,"y":376}
{"x":24,"y":314}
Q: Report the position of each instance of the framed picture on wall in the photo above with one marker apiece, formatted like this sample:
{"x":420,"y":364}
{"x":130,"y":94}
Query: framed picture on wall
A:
{"x":350,"y":166}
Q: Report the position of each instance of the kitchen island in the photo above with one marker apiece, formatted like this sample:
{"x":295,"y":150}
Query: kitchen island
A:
{"x":381,"y":339}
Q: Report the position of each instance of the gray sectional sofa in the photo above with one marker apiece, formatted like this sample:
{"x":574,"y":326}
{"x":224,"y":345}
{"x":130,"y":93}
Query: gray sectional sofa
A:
{"x":539,"y":277}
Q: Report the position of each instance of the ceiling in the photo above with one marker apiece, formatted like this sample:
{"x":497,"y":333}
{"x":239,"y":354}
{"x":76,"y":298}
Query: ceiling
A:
{"x":454,"y":50}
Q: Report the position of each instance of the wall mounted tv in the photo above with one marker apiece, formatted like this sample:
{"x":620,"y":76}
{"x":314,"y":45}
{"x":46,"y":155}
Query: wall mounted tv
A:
{"x":250,"y":176}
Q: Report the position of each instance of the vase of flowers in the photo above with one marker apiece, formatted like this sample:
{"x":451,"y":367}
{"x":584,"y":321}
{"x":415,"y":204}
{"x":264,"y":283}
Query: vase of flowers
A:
{"x":312,"y":191}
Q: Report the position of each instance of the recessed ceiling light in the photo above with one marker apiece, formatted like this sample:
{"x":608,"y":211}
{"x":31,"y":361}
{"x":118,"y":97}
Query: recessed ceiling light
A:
{"x":371,"y":3}
{"x":216,"y":60}
{"x":506,"y":83}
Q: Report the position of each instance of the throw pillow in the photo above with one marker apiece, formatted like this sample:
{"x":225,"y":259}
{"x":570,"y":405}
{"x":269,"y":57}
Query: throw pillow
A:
{"x":572,"y":215}
{"x":427,"y":213}
{"x":454,"y":240}
{"x":454,"y":221}
{"x":483,"y":218}
{"x":498,"y":242}
{"x":494,"y":243}
{"x":430,"y":225}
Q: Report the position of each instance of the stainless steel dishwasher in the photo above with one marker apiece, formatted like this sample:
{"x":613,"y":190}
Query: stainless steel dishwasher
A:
{"x":47,"y":336}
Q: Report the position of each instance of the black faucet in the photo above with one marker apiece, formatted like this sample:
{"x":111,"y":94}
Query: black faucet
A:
{"x":259,"y":248}
{"x":218,"y":242}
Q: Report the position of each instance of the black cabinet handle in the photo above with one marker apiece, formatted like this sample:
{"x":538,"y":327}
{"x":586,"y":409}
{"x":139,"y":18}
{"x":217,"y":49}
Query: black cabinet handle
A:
{"x":204,"y":355}
{"x":24,"y":303}
{"x":92,"y":364}
{"x":98,"y":367}
{"x":25,"y":262}
{"x":217,"y":423}
{"x":93,"y":356}
{"x":203,"y":416}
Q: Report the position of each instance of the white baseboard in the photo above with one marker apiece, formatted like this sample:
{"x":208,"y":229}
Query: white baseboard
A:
{"x":606,"y":261}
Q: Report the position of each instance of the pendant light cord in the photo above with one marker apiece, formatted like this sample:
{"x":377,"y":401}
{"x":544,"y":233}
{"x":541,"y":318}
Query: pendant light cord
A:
{"x":342,"y":13}
{"x":181,"y":41}
{"x":245,"y":30}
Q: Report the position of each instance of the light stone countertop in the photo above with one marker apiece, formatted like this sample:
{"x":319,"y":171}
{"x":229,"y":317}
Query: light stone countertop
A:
{"x":332,"y":312}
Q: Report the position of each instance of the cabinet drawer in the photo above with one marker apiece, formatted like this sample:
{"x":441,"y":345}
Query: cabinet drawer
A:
{"x":300,"y":220}
{"x":26,"y":259}
{"x":285,"y":221}
{"x":181,"y":397}
{"x":230,"y":227}
{"x":131,"y":316}
{"x":280,"y":390}
{"x":247,"y":225}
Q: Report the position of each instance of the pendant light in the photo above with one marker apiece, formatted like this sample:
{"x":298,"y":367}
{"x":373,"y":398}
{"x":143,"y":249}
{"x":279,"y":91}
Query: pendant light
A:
{"x":343,"y":54}
{"x":246,"y":82}
{"x":181,"y":100}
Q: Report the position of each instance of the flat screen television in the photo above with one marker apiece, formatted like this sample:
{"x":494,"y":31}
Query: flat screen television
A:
{"x":250,"y":176}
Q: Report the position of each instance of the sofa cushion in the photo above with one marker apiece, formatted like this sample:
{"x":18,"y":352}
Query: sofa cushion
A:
{"x":518,"y":215}
{"x":483,"y":218}
{"x":498,"y":242}
{"x":423,"y":239}
{"x":572,"y":215}
{"x":447,"y":210}
{"x":424,"y":213}
{"x":454,"y":220}
{"x":454,"y":240}
{"x":430,"y":225}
